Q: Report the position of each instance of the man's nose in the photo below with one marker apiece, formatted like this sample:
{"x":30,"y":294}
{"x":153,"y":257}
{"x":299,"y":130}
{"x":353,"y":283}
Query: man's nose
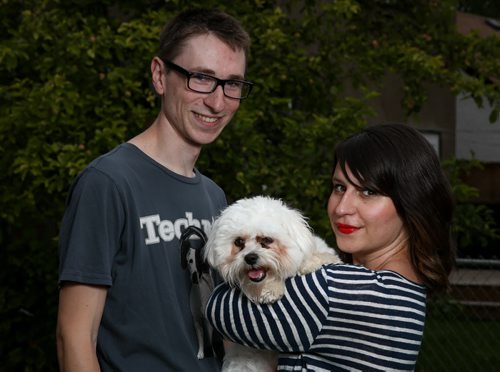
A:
{"x":215,"y":100}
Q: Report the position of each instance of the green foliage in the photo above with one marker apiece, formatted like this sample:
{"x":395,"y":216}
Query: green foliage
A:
{"x":475,"y":226}
{"x":487,"y":8}
{"x":74,"y":82}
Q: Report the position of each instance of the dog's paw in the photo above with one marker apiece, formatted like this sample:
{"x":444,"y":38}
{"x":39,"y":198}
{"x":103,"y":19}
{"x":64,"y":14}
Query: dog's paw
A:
{"x":316,"y":260}
{"x":200,"y":354}
{"x":271,"y":293}
{"x":241,"y":358}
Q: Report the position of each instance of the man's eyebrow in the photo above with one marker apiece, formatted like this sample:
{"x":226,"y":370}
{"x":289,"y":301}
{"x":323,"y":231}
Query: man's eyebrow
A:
{"x":212,"y":73}
{"x":236,"y":77}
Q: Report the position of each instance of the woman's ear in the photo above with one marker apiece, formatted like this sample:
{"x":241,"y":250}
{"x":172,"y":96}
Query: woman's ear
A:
{"x":157,"y":75}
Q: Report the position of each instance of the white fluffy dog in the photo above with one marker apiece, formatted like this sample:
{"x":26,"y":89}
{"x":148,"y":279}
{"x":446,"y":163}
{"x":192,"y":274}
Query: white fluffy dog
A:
{"x":255,"y":244}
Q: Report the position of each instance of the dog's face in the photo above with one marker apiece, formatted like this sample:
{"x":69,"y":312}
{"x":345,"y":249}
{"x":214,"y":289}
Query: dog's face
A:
{"x":258,"y":240}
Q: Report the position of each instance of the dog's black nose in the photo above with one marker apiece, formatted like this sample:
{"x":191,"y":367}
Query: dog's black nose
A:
{"x":251,"y":258}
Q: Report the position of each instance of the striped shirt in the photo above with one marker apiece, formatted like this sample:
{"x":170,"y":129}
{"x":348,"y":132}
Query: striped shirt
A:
{"x":341,"y":317}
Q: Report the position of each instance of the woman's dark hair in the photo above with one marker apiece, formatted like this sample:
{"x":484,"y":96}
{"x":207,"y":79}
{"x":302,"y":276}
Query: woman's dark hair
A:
{"x":196,"y":22}
{"x":395,"y":160}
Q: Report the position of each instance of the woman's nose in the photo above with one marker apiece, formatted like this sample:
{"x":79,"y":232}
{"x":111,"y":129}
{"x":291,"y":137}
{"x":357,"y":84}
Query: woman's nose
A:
{"x":346,"y":204}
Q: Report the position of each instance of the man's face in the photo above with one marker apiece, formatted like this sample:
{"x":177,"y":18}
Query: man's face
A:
{"x":199,"y":118}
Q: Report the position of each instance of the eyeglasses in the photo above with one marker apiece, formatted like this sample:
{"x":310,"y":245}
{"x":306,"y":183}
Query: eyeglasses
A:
{"x":203,"y":83}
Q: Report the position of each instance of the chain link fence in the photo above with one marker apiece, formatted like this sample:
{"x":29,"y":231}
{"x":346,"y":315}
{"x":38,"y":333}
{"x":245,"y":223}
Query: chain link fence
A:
{"x":462,"y":331}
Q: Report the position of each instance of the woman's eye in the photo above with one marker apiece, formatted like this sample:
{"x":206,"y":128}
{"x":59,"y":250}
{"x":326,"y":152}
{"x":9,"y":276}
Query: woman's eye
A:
{"x":368,"y":192}
{"x":338,"y":188}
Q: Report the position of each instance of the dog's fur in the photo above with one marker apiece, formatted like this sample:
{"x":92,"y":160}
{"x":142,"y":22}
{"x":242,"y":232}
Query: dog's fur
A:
{"x":255,"y":244}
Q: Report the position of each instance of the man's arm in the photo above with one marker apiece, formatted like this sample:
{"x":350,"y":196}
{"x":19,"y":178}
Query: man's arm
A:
{"x":79,"y":315}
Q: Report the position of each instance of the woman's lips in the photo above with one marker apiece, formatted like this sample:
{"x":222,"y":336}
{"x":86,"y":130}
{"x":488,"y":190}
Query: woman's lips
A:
{"x":346,"y":229}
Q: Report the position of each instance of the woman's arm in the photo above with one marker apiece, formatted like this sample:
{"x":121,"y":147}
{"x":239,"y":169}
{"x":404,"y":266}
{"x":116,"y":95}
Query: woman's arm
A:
{"x":288,"y":325}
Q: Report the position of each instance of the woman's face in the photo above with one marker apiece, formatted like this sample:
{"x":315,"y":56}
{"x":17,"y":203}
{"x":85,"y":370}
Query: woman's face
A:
{"x":365,"y":224}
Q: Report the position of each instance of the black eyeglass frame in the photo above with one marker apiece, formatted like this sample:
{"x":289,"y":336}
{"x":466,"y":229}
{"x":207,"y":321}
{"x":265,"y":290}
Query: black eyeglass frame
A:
{"x":221,"y":82}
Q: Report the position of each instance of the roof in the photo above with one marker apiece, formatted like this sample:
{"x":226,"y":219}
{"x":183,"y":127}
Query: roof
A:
{"x":467,"y":22}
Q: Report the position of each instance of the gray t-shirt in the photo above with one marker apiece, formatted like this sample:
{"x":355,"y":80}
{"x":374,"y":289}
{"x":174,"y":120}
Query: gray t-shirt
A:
{"x":121,"y":229}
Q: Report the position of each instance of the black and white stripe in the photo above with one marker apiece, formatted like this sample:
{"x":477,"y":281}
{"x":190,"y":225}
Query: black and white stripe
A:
{"x":342,"y":317}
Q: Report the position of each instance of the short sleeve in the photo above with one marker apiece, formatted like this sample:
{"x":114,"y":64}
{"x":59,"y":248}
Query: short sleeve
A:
{"x":90,"y":230}
{"x":289,"y":325}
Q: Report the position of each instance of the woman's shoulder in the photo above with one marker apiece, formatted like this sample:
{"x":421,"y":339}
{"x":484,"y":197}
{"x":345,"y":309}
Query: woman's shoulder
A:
{"x":354,"y":276}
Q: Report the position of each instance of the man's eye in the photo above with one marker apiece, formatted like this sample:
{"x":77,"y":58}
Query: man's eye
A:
{"x":201,"y":78}
{"x":233,"y":84}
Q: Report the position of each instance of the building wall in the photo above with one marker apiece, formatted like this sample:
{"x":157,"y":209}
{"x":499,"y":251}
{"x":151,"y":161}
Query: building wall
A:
{"x":456,"y":124}
{"x":459,"y":126}
{"x":437,"y":117}
{"x":487,"y":181}
{"x":476,"y":137}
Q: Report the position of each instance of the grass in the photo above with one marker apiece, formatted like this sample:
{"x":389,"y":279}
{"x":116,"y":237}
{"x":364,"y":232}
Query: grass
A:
{"x":457,"y":340}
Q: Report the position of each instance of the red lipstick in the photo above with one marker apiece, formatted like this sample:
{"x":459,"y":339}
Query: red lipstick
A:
{"x":346,"y":229}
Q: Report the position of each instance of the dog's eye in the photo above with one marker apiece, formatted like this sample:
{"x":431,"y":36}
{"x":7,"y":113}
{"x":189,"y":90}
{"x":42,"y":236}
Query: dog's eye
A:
{"x":265,"y":241}
{"x":239,"y":242}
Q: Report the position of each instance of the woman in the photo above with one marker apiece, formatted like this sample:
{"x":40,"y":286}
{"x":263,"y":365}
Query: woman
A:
{"x":391,"y":212}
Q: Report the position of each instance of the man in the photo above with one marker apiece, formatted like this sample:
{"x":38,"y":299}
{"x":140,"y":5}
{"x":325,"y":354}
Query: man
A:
{"x":124,"y":297}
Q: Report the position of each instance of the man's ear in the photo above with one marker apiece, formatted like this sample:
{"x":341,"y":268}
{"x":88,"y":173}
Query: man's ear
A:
{"x":158,"y":75}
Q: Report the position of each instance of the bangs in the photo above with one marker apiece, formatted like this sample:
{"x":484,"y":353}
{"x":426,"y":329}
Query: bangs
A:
{"x":361,"y":154}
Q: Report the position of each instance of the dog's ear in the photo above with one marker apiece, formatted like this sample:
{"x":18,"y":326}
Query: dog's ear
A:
{"x":300,"y":231}
{"x":209,"y":250}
